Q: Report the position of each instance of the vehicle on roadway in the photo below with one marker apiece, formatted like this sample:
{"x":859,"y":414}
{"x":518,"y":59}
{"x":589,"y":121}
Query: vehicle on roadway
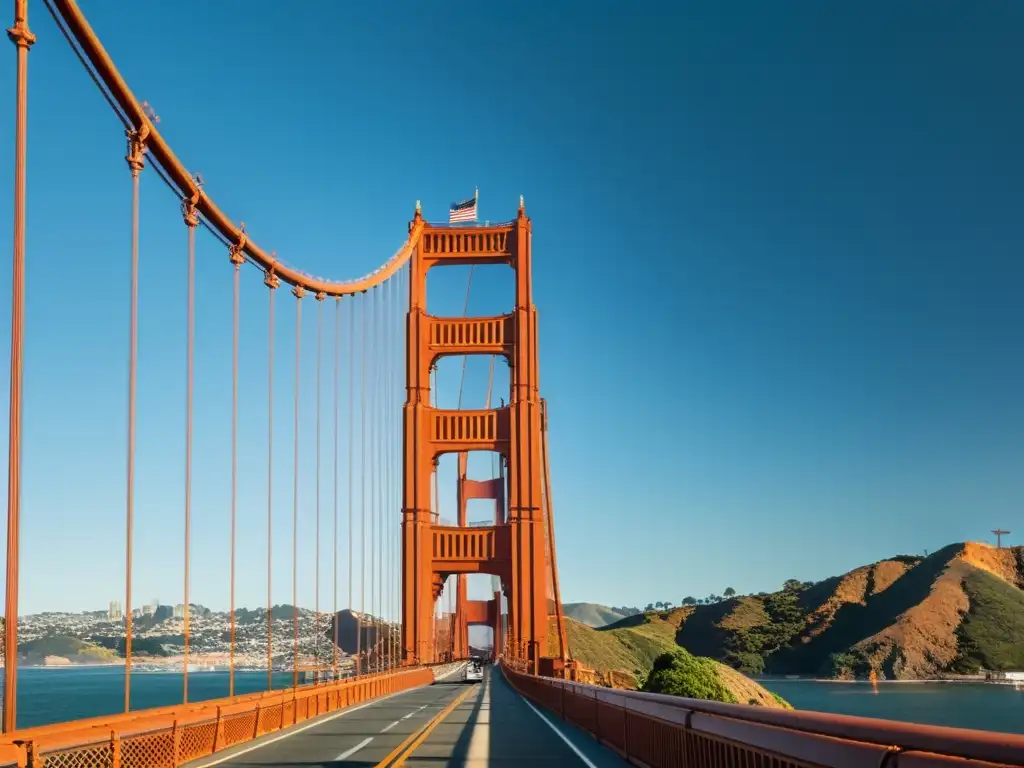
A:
{"x":474,"y":672}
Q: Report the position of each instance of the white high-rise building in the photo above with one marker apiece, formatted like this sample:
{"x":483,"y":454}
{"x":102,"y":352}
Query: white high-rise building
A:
{"x":114,"y":612}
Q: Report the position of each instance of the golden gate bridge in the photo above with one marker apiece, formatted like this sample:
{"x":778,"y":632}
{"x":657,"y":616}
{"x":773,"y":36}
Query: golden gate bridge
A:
{"x":410,"y":558}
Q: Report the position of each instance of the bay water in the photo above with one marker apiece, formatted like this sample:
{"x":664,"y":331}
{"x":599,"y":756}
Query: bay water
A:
{"x":56,"y":694}
{"x":982,"y":706}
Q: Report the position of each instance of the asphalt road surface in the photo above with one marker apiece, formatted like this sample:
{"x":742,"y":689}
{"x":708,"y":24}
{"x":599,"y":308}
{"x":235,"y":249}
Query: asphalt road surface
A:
{"x":451,"y":723}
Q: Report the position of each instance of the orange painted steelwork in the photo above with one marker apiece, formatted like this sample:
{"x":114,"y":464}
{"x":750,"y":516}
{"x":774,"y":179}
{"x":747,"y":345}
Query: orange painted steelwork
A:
{"x":513,"y":550}
{"x":660,"y":731}
{"x":23,"y":39}
{"x":482,"y":612}
{"x":169,"y":736}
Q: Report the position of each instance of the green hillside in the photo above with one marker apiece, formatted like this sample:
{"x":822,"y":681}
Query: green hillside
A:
{"x":592,"y":614}
{"x":636,"y":644}
{"x":991,"y":635}
{"x":629,"y":646}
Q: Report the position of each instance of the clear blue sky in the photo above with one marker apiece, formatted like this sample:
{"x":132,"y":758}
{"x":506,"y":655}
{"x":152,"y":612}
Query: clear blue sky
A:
{"x":778,"y":264}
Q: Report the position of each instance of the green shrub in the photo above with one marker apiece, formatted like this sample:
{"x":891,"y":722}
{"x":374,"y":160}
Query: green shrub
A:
{"x":680,"y":673}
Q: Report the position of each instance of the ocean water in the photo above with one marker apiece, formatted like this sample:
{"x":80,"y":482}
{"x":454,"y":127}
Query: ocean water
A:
{"x":49,"y":695}
{"x":983,"y":706}
{"x":55,"y":694}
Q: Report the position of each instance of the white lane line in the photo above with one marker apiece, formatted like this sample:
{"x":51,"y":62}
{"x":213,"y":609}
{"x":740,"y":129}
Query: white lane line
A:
{"x":562,"y":736}
{"x":387,"y":728}
{"x":348,"y":753}
{"x":406,"y":717}
{"x":302,"y":728}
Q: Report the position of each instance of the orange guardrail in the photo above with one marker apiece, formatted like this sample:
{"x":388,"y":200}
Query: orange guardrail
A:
{"x":659,"y":731}
{"x":166,"y":737}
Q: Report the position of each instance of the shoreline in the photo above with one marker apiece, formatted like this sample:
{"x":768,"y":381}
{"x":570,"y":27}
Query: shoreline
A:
{"x":945,"y":681}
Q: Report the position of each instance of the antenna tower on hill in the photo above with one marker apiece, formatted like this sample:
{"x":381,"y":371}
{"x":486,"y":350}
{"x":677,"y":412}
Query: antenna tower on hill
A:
{"x":999,"y":532}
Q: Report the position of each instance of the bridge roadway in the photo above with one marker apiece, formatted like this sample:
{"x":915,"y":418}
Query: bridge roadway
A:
{"x":450,"y":723}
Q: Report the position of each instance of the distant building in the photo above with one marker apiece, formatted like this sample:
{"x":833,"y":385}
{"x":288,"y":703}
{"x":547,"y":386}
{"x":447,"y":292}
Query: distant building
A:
{"x":114,"y":612}
{"x":179,"y":611}
{"x":148,"y":609}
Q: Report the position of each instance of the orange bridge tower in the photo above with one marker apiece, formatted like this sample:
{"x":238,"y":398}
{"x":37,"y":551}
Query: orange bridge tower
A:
{"x":515,"y":550}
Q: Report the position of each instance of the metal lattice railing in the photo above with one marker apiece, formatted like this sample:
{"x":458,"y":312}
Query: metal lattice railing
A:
{"x":659,"y":731}
{"x":171,"y":736}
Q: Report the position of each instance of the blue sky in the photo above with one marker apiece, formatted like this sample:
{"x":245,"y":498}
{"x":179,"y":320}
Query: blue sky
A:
{"x":777,"y":264}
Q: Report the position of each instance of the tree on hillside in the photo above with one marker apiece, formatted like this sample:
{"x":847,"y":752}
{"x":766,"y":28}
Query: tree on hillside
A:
{"x":679,"y":673}
{"x":729,"y":592}
{"x":688,"y":600}
{"x":792,"y":585}
{"x":650,"y":607}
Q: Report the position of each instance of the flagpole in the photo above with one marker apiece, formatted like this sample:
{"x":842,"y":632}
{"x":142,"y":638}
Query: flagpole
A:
{"x":476,"y":205}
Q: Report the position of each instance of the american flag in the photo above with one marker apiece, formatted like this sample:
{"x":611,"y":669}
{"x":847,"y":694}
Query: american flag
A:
{"x":464,"y":211}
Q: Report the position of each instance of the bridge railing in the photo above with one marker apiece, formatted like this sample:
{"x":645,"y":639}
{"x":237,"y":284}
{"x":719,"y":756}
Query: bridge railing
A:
{"x":660,"y":731}
{"x":169,"y":736}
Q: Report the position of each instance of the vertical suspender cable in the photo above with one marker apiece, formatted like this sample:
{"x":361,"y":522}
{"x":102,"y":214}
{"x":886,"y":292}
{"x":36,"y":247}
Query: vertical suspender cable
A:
{"x":388,"y":514}
{"x":191,"y":220}
{"x":362,"y":481}
{"x":378,"y":468}
{"x":382,"y":469}
{"x":136,"y":144}
{"x":371,"y":573}
{"x":351,"y":451}
{"x":298,"y":292}
{"x":385,"y":559}
{"x":236,"y":259}
{"x":465,"y":313}
{"x":393,"y":513}
{"x":563,"y":642}
{"x":403,"y":303}
{"x":272,"y":282}
{"x":334,"y":536}
{"x":375,"y":478}
{"x":399,"y":397}
{"x":23,"y":40}
{"x":394,"y":484}
{"x":316,"y":558}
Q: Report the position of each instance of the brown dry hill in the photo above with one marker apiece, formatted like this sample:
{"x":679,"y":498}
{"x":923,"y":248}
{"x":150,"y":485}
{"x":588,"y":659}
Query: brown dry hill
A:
{"x":957,"y":610}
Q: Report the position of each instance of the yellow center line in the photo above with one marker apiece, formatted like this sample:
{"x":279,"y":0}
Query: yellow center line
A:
{"x":405,"y":749}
